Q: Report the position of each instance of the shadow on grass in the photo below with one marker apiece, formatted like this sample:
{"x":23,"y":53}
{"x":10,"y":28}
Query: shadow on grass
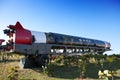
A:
{"x":92,"y":70}
{"x":73,"y":72}
{"x":9,"y":60}
{"x":62,"y":71}
{"x":69,"y":72}
{"x":116,"y":78}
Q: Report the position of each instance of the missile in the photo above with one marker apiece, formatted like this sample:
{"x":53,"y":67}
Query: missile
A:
{"x":18,"y":35}
{"x":38,"y":45}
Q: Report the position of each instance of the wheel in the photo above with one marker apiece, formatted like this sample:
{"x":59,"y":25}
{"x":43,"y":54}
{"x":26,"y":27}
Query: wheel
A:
{"x":100,"y":52}
{"x":43,"y":60}
{"x":28,"y":62}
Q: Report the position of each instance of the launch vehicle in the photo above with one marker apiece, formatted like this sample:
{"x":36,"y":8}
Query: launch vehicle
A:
{"x":38,"y":46}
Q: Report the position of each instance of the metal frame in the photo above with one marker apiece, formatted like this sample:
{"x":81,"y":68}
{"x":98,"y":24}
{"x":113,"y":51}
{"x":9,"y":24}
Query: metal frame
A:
{"x":42,"y":48}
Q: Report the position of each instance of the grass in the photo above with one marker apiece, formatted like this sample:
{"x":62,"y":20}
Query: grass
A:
{"x":56,"y":71}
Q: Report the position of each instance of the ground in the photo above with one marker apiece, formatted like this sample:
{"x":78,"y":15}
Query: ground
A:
{"x":10,"y":70}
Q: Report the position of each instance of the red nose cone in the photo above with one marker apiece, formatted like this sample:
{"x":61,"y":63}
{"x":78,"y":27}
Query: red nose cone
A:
{"x":23,"y":37}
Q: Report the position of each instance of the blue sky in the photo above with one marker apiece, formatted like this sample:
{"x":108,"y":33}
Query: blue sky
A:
{"x":97,"y":19}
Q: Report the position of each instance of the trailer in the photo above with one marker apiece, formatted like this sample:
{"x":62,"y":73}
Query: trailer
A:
{"x":39,"y":47}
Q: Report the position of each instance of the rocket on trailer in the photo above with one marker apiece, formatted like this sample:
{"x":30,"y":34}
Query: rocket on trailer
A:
{"x":38,"y":46}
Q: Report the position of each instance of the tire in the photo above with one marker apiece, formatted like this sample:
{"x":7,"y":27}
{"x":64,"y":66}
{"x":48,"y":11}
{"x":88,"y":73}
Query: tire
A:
{"x":100,"y":52}
{"x":43,"y":60}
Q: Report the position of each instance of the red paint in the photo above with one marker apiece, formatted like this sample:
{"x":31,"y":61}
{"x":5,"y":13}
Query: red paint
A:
{"x":10,"y":35}
{"x":8,"y":48}
{"x":22,"y":36}
{"x":17,"y":26}
{"x":1,"y":41}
